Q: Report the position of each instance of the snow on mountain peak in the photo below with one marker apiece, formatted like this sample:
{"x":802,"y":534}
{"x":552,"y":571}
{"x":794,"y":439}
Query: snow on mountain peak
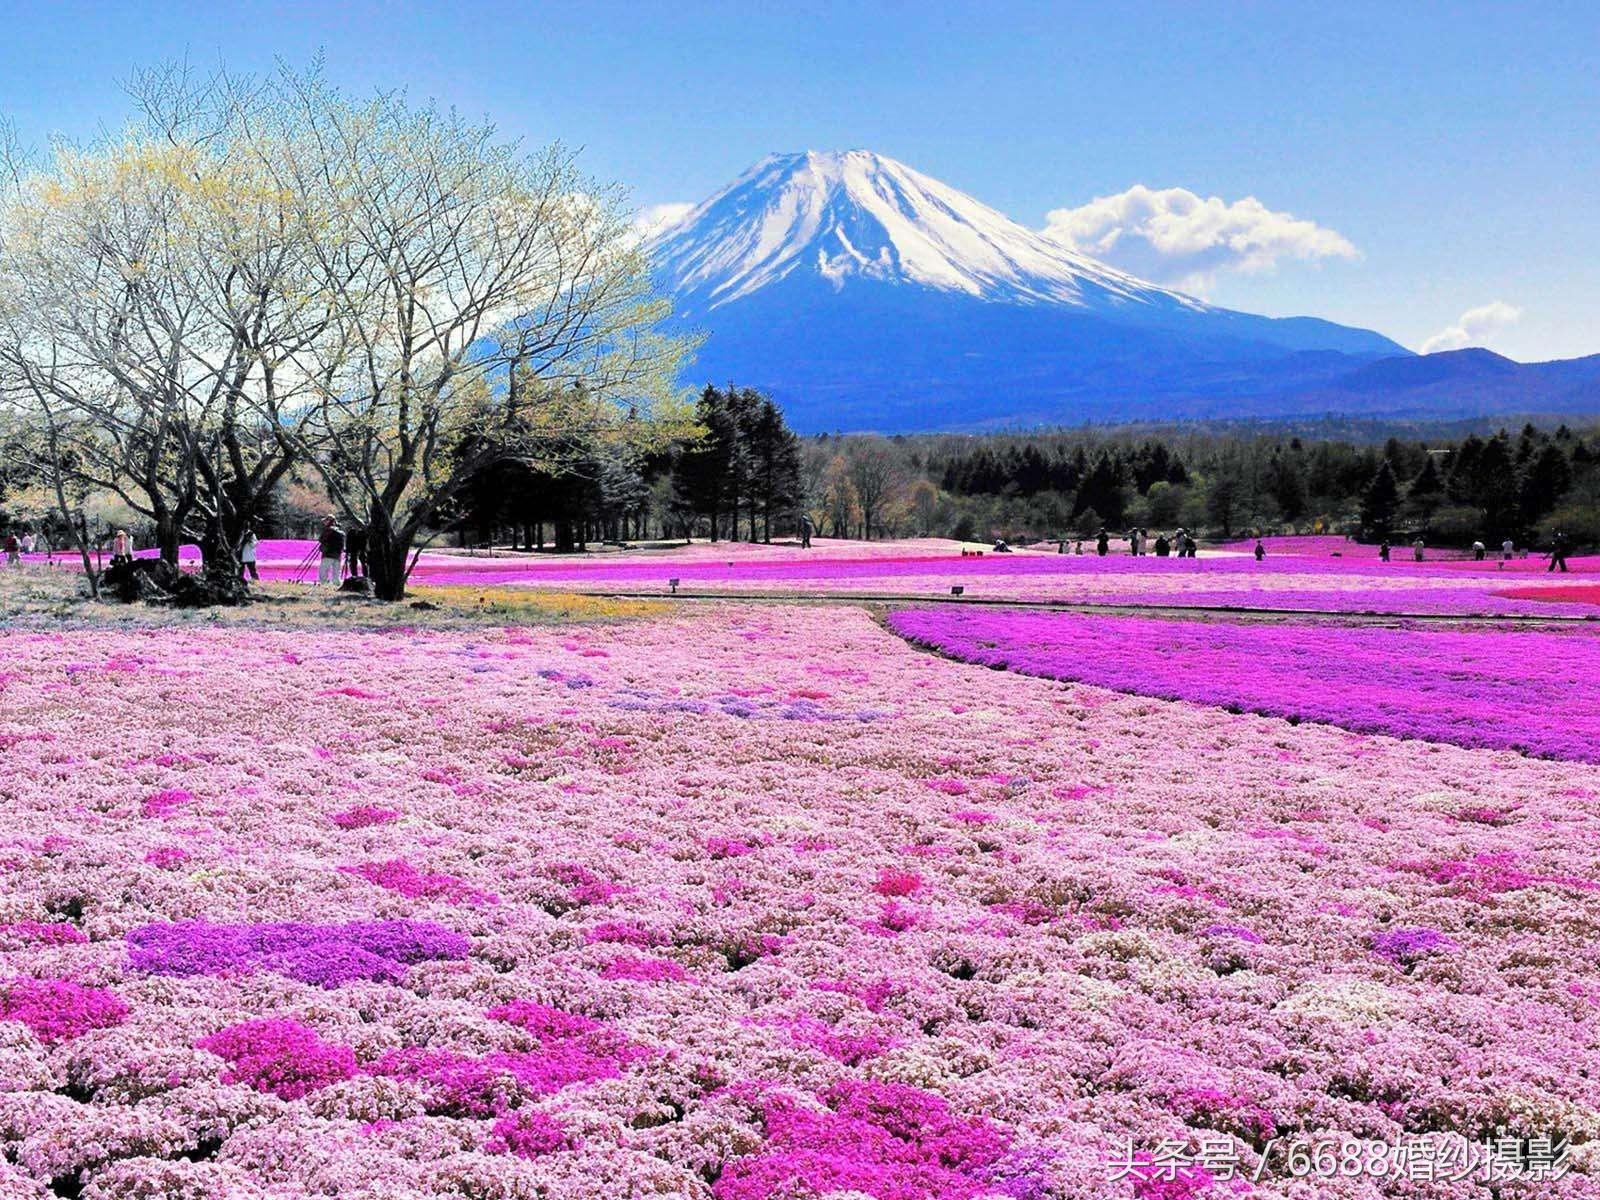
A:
{"x":844,"y":216}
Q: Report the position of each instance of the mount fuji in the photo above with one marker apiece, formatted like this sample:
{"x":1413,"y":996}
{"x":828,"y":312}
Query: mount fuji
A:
{"x":864,"y":295}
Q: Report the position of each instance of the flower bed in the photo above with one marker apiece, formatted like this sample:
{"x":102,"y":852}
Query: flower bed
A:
{"x":1585,"y":595}
{"x":781,"y":907}
{"x":1293,"y":581}
{"x":1518,"y":689}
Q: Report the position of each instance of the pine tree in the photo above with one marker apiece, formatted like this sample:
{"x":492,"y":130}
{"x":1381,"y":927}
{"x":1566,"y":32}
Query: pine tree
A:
{"x":1544,"y":481}
{"x":775,"y":459}
{"x":1427,"y":482}
{"x":1103,"y":489}
{"x":1381,"y":502}
{"x":1494,"y":485}
{"x":701,"y":478}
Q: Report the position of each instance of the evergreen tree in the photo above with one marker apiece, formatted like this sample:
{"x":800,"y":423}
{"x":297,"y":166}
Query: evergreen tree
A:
{"x":1427,"y":481}
{"x":1286,"y":483}
{"x":1225,"y":498}
{"x":775,"y":459}
{"x":1494,"y":486}
{"x":1381,"y":502}
{"x":1463,"y":482}
{"x":1544,"y":481}
{"x":702,"y":481}
{"x":1103,"y":489}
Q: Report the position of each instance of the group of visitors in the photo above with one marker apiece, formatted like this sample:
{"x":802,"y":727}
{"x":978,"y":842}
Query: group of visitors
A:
{"x":340,"y":553}
{"x":26,"y":542}
{"x":338,"y":547}
{"x":1181,"y":544}
{"x":1560,"y":547}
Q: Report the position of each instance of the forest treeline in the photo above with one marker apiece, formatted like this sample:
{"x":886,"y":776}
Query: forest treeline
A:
{"x":749,"y":477}
{"x":740,"y":473}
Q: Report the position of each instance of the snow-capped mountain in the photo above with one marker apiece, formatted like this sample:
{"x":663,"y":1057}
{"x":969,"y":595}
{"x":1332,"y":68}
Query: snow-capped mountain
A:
{"x":863,"y":294}
{"x":858,"y":216}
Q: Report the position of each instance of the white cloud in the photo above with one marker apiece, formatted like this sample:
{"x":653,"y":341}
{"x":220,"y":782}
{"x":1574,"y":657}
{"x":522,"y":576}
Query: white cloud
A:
{"x":653,"y":218}
{"x":1175,"y":237}
{"x":1474,"y":327}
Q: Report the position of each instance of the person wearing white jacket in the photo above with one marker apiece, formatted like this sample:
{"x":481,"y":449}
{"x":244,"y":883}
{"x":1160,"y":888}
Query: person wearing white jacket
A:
{"x":247,"y":556}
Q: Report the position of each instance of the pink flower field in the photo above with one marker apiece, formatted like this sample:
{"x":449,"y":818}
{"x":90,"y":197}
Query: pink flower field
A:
{"x":1300,"y":574}
{"x":1522,"y":689}
{"x":762,"y":902}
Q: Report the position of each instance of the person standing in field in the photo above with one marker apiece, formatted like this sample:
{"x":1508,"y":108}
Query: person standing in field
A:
{"x":806,"y":530}
{"x":1507,"y":549}
{"x":1478,"y":551}
{"x":247,"y":556}
{"x":1383,"y":550}
{"x":1102,"y":543}
{"x":1558,"y":552}
{"x":1416,"y":550}
{"x":13,"y":550}
{"x":330,"y":543}
{"x":1260,"y":551}
{"x":121,"y":548}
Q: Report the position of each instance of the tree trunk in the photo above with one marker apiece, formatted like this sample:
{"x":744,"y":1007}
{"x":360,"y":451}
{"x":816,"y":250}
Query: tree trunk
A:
{"x":386,"y":563}
{"x":168,"y":538}
{"x":217,"y":557}
{"x":80,"y":534}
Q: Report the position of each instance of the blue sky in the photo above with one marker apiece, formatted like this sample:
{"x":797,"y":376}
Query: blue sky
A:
{"x":1441,"y":159}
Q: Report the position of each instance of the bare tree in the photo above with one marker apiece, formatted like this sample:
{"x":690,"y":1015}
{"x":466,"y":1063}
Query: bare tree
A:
{"x":924,"y":505}
{"x":254,"y":273}
{"x":156,"y":300}
{"x":838,"y":496}
{"x":490,"y":305}
{"x":261,"y":274}
{"x":874,"y":473}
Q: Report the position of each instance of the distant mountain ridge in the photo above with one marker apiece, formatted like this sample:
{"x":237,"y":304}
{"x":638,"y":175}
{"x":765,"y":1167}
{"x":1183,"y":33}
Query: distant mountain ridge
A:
{"x":863,"y":294}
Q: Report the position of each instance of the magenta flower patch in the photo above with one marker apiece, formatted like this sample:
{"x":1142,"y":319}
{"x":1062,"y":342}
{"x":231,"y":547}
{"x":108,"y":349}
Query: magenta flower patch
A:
{"x":58,"y":1010}
{"x":880,"y":1139}
{"x":280,"y":1056}
{"x":897,"y":883}
{"x":527,"y":1134}
{"x":397,"y":875}
{"x":363,"y":816}
{"x":564,"y":1049}
{"x":165,"y":802}
{"x":40,"y":933}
